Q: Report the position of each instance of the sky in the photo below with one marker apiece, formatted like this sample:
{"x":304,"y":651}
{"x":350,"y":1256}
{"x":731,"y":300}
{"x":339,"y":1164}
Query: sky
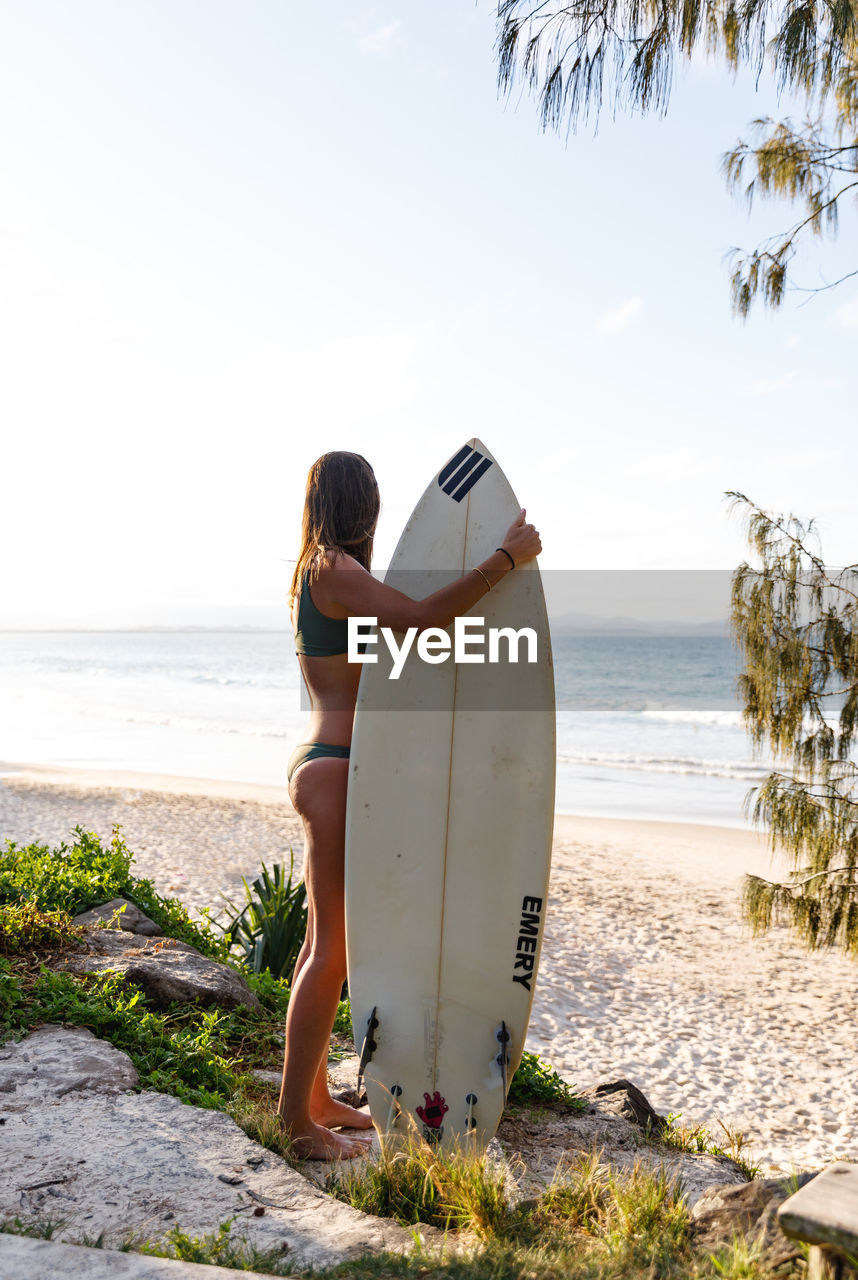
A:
{"x":235,"y":236}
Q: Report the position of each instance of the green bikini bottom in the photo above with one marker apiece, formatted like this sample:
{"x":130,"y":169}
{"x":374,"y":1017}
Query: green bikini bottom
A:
{"x":313,"y":751}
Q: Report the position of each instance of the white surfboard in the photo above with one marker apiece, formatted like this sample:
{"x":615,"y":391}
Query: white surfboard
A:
{"x":448,"y":832}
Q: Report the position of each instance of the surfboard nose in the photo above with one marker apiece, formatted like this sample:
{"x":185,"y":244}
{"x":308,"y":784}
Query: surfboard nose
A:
{"x":459,"y":475}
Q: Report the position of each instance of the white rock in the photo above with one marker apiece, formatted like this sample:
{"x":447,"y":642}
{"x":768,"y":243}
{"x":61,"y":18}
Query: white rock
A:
{"x":133,"y":1166}
{"x":52,"y":1062}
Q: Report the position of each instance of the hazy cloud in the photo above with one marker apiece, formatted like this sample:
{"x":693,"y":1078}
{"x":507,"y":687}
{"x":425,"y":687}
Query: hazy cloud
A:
{"x":617,"y":319}
{"x":771,"y":386}
{"x":805,"y":459}
{"x":848,"y":314}
{"x":379,"y":40}
{"x":674,"y":465}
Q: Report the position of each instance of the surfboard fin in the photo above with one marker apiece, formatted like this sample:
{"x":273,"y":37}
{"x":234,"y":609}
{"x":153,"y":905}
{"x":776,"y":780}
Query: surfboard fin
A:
{"x":503,"y":1038}
{"x":368,"y":1047}
{"x":470,"y":1122}
{"x":395,"y":1110}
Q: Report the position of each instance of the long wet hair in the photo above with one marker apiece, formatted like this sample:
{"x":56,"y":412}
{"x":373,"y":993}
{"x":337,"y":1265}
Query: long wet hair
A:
{"x":340,"y":511}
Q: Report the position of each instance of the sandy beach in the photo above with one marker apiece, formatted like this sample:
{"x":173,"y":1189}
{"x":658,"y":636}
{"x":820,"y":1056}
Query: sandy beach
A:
{"x":647,"y":971}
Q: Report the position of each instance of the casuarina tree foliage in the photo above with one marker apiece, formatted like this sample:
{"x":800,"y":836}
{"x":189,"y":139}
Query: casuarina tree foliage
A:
{"x":796,"y":622}
{"x":576,"y":58}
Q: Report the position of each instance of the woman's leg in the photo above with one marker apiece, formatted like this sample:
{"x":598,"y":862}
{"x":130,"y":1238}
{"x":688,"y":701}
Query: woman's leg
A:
{"x":318,"y":792}
{"x":323,"y":1108}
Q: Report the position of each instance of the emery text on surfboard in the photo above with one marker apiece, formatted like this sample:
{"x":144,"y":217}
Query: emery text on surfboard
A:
{"x":528,"y":940}
{"x":434,"y":644}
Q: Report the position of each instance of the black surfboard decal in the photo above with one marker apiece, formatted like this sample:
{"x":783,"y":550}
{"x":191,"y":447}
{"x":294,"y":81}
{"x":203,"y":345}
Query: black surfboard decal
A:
{"x":454,"y":464}
{"x":462,"y":472}
{"x":472,"y":479}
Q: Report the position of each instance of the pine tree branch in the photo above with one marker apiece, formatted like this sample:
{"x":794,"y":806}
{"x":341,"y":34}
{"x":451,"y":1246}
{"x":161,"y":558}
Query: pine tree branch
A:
{"x":798,"y":884}
{"x":811,"y":814}
{"x":777,"y":522}
{"x":780,"y":634}
{"x":818,"y":799}
{"x":821,"y":288}
{"x":818,"y":212}
{"x":576,"y":58}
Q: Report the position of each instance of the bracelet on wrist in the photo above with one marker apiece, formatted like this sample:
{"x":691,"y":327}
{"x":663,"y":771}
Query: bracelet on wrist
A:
{"x":508,"y":556}
{"x":478,"y":570}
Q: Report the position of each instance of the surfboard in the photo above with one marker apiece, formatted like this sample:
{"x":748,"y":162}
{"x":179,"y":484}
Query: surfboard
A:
{"x":448,"y":830}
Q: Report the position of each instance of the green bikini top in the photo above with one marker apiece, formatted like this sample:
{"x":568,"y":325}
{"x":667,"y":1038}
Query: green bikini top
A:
{"x":317,"y":635}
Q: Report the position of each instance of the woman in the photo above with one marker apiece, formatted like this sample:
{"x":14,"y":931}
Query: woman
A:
{"x":332,"y":582}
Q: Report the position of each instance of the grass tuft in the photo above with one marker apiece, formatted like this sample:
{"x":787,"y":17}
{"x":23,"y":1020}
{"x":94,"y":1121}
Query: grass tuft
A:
{"x":220,"y":1249}
{"x":698,"y":1140}
{"x":415,"y":1183}
{"x":343,"y":1020}
{"x":34,"y":1228}
{"x":26,"y":928}
{"x":594,"y":1222}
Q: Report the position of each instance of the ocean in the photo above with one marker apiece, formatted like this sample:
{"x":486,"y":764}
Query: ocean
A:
{"x":647,"y":726}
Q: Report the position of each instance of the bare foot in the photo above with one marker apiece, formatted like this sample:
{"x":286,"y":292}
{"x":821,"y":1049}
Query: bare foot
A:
{"x":340,"y":1115}
{"x":318,"y":1143}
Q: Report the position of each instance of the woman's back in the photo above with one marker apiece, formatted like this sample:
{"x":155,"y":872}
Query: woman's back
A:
{"x":321,"y":642}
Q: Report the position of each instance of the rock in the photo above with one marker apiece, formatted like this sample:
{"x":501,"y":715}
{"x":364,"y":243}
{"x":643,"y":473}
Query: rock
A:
{"x":134,"y":1166}
{"x":622,"y":1098}
{"x":165,"y":969}
{"x":25,"y":1259}
{"x":723,"y":1212}
{"x":351,"y":1097}
{"x":272,"y":1078}
{"x":53,"y":1062}
{"x":119,"y":913}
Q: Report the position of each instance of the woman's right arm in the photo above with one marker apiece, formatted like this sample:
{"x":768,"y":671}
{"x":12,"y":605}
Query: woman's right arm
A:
{"x":356,"y":591}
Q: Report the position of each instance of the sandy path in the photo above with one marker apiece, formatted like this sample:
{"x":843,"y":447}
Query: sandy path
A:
{"x":647,"y":971}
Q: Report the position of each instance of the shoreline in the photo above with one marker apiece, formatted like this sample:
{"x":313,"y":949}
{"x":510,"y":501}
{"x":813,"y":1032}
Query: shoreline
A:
{"x":162,"y":783}
{"x":647,"y":971}
{"x":268,"y":793}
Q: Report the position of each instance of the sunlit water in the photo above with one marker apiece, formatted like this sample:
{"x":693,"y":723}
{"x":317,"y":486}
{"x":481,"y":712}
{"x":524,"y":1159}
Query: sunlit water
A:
{"x":647,"y":727}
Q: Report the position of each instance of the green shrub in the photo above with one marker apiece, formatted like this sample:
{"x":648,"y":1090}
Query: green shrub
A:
{"x":25,"y":928}
{"x":343,"y":1020}
{"x":536,"y":1081}
{"x":269,"y":929}
{"x":203,"y":1056}
{"x":85,"y":874}
{"x":272,"y":993}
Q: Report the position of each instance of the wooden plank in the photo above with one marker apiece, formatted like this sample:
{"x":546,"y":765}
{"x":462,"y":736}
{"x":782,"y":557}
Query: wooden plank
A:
{"x":825,"y":1211}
